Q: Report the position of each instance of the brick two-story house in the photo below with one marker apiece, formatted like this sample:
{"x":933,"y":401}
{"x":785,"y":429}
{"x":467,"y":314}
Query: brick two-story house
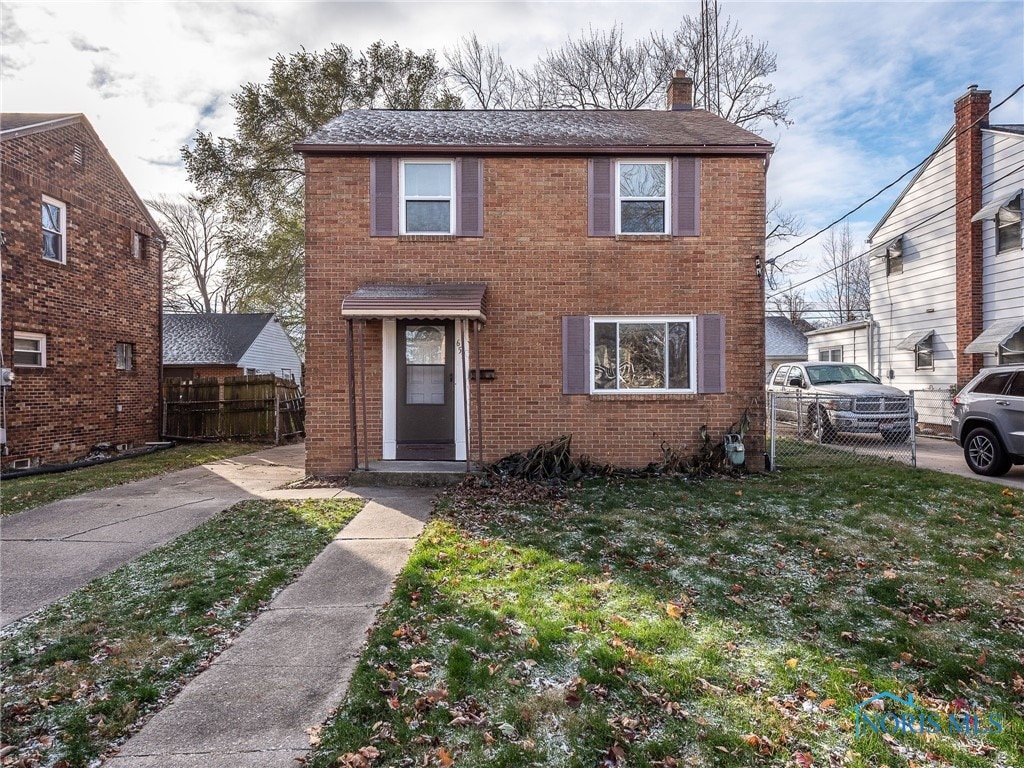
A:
{"x":601,"y":270}
{"x":81,"y":295}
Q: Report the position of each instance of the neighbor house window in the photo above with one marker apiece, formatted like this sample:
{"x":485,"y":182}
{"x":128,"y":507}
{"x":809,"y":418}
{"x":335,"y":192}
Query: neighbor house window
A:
{"x":427,"y":194}
{"x":1008,"y":226}
{"x":54,"y":230}
{"x":653,"y":354}
{"x":136,"y":245}
{"x":830,"y":355}
{"x":924,"y":355}
{"x":29,"y":350}
{"x":643,"y":194}
{"x":125,"y":356}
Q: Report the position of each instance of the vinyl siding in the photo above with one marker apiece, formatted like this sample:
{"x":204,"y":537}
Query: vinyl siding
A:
{"x":272,"y":352}
{"x":1002,"y":155}
{"x":923,"y":296}
{"x":854,"y":342}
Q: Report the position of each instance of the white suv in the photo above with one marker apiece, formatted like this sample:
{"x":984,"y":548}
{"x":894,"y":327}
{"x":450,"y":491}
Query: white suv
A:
{"x":829,"y":398}
{"x":988,"y":420}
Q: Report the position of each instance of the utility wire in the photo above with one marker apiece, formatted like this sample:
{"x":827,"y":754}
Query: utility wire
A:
{"x":887,"y":187}
{"x":1018,"y":169}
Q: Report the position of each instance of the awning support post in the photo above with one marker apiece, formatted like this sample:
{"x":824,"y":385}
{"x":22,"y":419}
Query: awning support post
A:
{"x":362,"y":375}
{"x":463,"y":341}
{"x":353,"y":426}
{"x":479,"y":402}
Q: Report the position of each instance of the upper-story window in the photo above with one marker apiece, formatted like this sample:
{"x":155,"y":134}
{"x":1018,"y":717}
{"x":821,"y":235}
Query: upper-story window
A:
{"x":643,"y":195}
{"x":54,"y":230}
{"x":427,"y":190}
{"x":1008,"y":226}
{"x":136,"y":245}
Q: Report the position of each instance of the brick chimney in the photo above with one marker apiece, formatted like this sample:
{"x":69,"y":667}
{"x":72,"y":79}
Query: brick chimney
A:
{"x":971,"y":111}
{"x":680,"y":92}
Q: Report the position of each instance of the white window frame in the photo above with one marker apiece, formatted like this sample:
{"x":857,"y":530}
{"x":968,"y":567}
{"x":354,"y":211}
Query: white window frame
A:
{"x":1000,"y":227}
{"x":925,"y":347}
{"x":63,"y":232}
{"x":121,"y":361}
{"x":667,"y":200}
{"x":646,"y":319}
{"x":402,"y":199}
{"x":39,"y":339}
{"x":829,"y":353}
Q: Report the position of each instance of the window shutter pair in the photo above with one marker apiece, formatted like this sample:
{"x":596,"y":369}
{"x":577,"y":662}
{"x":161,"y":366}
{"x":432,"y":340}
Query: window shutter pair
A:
{"x":710,"y":355}
{"x":685,"y":197}
{"x":384,"y":197}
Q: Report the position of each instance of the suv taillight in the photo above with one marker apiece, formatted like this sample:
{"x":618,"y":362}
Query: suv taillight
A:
{"x":956,"y":400}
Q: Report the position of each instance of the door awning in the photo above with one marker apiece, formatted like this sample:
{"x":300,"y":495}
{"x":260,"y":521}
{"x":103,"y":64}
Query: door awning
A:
{"x":891,"y":247}
{"x":432,"y":301}
{"x":995,"y":336}
{"x":913,"y":340}
{"x":989,"y":211}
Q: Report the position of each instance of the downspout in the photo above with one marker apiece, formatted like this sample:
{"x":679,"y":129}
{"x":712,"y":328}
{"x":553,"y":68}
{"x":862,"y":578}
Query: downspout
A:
{"x":352,"y":396}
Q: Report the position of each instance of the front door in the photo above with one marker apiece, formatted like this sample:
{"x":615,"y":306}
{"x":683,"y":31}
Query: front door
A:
{"x":425,"y":390}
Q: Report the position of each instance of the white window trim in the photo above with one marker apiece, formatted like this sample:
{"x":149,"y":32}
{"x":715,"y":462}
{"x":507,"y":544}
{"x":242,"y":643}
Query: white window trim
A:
{"x":402,"y":198}
{"x":927,"y":345}
{"x":667,"y":199}
{"x":63,"y":228}
{"x":619,"y":319}
{"x":1019,"y":224}
{"x":39,"y":337}
{"x":830,"y":358}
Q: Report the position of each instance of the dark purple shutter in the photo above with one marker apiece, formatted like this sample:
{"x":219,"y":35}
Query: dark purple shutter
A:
{"x":383,"y":196}
{"x":469,"y":196}
{"x":711,"y":354}
{"x":601,"y":197}
{"x":575,"y":355}
{"x":686,"y":196}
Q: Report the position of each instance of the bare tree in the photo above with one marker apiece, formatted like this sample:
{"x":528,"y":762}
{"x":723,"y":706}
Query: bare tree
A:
{"x":780,"y":226}
{"x":792,"y":304}
{"x":196,"y":274}
{"x":482,"y":74}
{"x":845,"y":293}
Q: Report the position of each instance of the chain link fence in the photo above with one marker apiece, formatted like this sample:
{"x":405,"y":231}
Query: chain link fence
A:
{"x":934,"y":412}
{"x":819,"y":430}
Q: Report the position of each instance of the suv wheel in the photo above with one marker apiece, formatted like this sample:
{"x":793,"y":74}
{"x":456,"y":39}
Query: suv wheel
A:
{"x":819,"y":426}
{"x":984,"y":453}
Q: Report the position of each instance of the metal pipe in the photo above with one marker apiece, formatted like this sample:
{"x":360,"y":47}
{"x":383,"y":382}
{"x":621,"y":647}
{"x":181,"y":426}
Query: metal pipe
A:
{"x":463,"y":341}
{"x":479,"y":402}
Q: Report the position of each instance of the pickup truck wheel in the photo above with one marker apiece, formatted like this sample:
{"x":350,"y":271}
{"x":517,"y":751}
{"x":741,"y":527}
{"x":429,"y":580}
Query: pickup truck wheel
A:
{"x":819,"y":426}
{"x":984,"y":453}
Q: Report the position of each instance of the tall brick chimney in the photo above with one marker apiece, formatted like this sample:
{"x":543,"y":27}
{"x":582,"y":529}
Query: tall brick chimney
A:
{"x":680,"y":92}
{"x":971,"y":112}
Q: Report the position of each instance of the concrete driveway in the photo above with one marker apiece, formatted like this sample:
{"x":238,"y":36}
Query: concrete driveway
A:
{"x":47,"y":552}
{"x":947,"y":456}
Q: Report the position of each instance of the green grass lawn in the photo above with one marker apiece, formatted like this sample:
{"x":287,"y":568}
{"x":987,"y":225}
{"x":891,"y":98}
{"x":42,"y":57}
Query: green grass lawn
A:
{"x":718,"y":623}
{"x":81,"y":675}
{"x":24,"y":493}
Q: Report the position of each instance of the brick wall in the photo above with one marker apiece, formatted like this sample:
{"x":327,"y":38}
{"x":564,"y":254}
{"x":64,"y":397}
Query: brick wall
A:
{"x":539,"y":266}
{"x":100,"y":297}
{"x":971,"y":111}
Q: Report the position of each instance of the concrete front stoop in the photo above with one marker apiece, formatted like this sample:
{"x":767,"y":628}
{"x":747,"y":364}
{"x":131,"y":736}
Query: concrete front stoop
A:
{"x":412,"y":474}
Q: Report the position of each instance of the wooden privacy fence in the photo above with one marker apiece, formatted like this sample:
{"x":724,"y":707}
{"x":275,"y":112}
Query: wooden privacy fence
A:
{"x":241,"y":407}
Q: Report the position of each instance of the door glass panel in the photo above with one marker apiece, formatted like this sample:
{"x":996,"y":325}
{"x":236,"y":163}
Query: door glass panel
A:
{"x":424,"y":345}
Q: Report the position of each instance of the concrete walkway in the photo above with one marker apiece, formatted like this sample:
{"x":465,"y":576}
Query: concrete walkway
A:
{"x":52,"y":550}
{"x":291,"y":666}
{"x":946,"y":456}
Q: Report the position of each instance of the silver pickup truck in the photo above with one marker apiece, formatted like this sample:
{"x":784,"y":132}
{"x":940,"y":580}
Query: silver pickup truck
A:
{"x":828,"y":398}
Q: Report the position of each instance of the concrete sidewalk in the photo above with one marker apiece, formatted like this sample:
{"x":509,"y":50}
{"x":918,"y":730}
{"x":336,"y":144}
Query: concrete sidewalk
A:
{"x":291,"y":666}
{"x":946,"y":456}
{"x":52,"y":550}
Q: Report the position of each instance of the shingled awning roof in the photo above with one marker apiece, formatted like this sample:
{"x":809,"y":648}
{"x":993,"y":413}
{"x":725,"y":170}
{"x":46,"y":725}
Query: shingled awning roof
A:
{"x":430,"y":301}
{"x":534,"y":131}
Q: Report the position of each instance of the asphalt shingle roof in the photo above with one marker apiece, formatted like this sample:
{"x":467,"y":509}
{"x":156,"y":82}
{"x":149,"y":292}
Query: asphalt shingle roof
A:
{"x":13,"y":121}
{"x":214,"y":339}
{"x":783,"y":339}
{"x":529,"y":129}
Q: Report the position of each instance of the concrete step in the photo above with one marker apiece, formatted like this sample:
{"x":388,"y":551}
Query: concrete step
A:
{"x":422,"y":474}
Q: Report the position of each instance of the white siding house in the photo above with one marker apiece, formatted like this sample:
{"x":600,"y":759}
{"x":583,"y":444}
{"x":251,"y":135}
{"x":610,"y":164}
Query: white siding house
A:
{"x":925,"y":252}
{"x":272,"y":352}
{"x":846,"y":343}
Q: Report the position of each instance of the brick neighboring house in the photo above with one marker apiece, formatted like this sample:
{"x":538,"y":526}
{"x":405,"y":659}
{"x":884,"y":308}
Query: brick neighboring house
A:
{"x":198,"y":346}
{"x":81,"y":294}
{"x":601,"y":269}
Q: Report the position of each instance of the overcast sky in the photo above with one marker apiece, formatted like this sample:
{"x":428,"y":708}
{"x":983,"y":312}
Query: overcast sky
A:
{"x":874,"y":81}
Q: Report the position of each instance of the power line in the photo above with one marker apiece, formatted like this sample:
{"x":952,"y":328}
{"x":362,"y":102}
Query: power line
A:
{"x":1018,"y":169}
{"x":893,"y":183}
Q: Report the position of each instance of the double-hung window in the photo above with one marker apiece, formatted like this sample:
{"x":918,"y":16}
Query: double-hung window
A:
{"x":29,"y":350}
{"x":643,"y":354}
{"x":1008,"y":226}
{"x":427,"y":189}
{"x":54,"y":230}
{"x":643,"y":195}
{"x":830,"y":355}
{"x":924,"y":354}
